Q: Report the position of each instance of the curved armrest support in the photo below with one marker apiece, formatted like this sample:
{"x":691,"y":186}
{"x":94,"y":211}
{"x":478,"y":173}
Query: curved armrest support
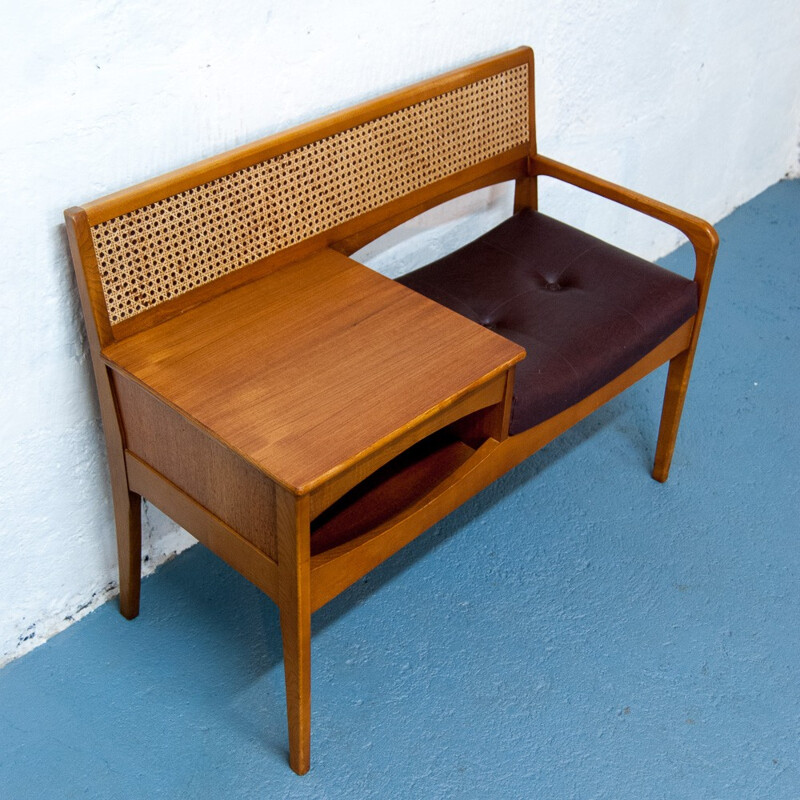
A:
{"x":701,"y":234}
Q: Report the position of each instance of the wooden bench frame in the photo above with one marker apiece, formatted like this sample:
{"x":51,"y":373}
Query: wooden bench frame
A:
{"x":272,"y":545}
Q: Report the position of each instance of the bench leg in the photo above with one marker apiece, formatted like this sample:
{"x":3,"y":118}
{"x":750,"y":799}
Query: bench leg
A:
{"x":127,"y":504}
{"x":680,"y":369}
{"x":294,"y":602}
{"x":296,"y":634}
{"x":128,"y":518}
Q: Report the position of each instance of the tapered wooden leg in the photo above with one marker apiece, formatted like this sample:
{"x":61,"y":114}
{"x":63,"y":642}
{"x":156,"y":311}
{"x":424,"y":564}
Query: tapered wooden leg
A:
{"x":294,"y":600}
{"x":128,"y":518}
{"x":680,"y":369}
{"x":296,"y":633}
{"x":127,"y":504}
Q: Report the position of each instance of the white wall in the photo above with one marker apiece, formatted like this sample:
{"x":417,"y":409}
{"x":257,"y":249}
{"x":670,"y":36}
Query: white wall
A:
{"x":697,"y":104}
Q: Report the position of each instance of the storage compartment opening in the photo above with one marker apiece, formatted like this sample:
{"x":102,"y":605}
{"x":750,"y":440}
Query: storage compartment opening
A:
{"x":395,"y":487}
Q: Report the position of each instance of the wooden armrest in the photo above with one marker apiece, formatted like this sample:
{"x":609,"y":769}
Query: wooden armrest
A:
{"x":701,"y":234}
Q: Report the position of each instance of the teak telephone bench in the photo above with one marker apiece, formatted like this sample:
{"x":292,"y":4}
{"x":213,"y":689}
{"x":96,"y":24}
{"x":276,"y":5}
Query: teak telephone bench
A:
{"x":305,"y":417}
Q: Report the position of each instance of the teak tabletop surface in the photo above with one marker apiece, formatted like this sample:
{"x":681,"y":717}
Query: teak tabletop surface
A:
{"x":307,"y":370}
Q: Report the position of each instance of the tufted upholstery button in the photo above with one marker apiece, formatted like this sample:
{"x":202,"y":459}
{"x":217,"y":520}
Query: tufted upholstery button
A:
{"x":504,"y":280}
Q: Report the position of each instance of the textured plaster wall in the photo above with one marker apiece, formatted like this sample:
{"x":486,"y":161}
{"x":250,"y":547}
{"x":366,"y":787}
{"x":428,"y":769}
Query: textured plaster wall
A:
{"x":695,"y":103}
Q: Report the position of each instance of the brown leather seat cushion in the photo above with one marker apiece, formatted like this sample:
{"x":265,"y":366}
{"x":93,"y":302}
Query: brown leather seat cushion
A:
{"x":584,"y":310}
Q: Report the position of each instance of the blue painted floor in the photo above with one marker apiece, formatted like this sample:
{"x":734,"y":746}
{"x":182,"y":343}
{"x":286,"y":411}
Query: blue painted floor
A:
{"x":576,"y":631}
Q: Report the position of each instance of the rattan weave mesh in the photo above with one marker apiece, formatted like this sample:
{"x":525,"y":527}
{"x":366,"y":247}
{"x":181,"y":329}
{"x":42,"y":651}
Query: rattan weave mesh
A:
{"x":162,"y":250}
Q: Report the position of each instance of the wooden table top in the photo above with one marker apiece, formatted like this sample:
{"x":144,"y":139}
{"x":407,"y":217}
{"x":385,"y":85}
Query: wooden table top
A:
{"x":313,"y":367}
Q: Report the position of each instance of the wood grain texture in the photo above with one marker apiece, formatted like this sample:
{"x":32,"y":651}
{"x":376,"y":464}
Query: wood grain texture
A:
{"x":482,"y":403}
{"x":294,"y":602}
{"x":333,"y":570}
{"x":127,"y":504}
{"x":314,"y":367}
{"x":526,"y":189}
{"x":87,"y":277}
{"x":247,"y":559}
{"x":229,"y":487}
{"x":491,"y":422}
{"x":680,"y":369}
{"x":702,"y":235}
